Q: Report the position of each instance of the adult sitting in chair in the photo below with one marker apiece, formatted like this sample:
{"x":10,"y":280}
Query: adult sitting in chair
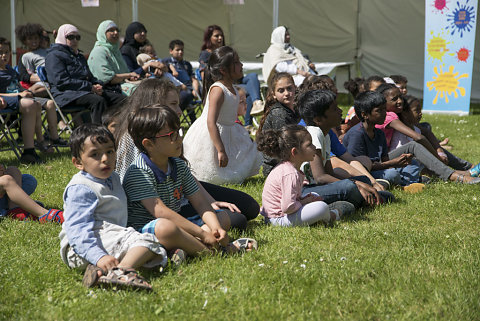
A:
{"x":282,"y":56}
{"x":136,"y":37}
{"x":72,"y":82}
{"x":213,"y":38}
{"x":106,"y":62}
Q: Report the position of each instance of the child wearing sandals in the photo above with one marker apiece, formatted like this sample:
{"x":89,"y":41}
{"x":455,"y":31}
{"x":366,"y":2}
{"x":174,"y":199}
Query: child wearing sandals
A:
{"x":156,"y":182}
{"x":283,"y":203}
{"x":15,"y":201}
{"x":94,"y":235}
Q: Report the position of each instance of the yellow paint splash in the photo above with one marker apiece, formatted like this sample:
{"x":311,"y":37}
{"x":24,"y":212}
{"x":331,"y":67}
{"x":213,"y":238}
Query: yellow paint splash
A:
{"x":446,"y":83}
{"x":437,"y":47}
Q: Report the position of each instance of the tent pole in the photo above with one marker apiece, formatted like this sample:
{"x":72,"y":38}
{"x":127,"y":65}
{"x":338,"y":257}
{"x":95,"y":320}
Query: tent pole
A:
{"x":134,"y":10}
{"x":275,"y":13}
{"x":12,"y":32}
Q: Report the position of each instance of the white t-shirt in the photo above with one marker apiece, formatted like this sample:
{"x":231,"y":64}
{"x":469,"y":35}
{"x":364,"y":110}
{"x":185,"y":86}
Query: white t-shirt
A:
{"x":321,"y":142}
{"x":399,"y":139}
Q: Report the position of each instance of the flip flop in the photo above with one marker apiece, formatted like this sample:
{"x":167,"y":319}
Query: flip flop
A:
{"x":242,"y":244}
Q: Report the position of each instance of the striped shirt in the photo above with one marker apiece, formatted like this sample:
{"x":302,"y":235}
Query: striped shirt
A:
{"x":140,"y":183}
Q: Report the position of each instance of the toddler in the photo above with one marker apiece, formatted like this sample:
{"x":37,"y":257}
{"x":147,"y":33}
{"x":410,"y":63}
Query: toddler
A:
{"x":94,"y":235}
{"x":283,"y":203}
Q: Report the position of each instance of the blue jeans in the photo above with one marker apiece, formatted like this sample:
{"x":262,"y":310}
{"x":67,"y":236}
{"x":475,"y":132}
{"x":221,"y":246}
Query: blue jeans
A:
{"x":389,"y":174}
{"x":252,"y":86}
{"x":344,"y":190}
{"x":410,"y":173}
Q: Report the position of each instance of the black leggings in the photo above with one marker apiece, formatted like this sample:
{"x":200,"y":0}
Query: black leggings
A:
{"x":245,"y":203}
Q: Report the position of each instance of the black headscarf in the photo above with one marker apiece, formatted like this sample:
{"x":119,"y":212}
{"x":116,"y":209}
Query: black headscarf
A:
{"x":130,"y":45}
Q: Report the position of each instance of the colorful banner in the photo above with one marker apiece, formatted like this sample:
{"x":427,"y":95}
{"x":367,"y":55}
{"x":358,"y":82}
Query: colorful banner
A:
{"x":449,"y":44}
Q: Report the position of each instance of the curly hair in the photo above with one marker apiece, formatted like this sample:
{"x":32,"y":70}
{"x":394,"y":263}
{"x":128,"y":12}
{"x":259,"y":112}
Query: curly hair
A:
{"x":279,"y":143}
{"x":29,"y":30}
{"x":355,"y":86}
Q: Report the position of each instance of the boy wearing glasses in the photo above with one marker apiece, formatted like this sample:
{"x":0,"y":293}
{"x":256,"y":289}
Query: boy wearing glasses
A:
{"x":157,"y":181}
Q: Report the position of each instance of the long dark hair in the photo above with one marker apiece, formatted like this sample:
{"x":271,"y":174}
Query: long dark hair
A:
{"x":207,"y":35}
{"x":150,"y":91}
{"x":220,"y":60}
{"x":270,"y":100}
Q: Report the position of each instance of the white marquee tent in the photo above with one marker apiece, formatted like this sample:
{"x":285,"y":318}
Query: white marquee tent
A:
{"x":381,"y":36}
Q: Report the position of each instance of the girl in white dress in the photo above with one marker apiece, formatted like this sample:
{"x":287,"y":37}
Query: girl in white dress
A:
{"x":218,"y":151}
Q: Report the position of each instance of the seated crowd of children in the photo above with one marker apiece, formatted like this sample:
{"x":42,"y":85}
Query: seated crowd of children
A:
{"x":145,"y":192}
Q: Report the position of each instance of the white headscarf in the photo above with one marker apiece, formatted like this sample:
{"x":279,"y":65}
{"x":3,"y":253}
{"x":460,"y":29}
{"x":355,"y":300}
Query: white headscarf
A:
{"x":280,"y":51}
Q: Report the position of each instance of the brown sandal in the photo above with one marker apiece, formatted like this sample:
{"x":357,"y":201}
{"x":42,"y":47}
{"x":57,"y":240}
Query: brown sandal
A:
{"x":120,"y":277}
{"x":124,"y":278}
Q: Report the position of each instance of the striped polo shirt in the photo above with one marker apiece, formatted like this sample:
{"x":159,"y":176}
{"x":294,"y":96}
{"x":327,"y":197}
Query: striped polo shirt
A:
{"x":140,"y":183}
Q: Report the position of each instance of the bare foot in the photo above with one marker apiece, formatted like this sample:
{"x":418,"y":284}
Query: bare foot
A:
{"x":444,"y":142}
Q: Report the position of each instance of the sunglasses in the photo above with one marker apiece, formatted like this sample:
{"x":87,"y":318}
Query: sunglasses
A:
{"x":71,"y":37}
{"x":173,"y":135}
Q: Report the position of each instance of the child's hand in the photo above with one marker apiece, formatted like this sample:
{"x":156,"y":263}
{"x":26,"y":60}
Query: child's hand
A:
{"x":175,"y":74}
{"x":217,"y":205}
{"x":3,"y":104}
{"x":442,"y":156}
{"x":221,"y":236}
{"x":222,"y":159}
{"x":402,"y":160}
{"x":209,"y":239}
{"x":309,"y":198}
{"x":107,"y":262}
{"x":26,"y":94}
{"x":133,"y":76}
{"x":97,"y":89}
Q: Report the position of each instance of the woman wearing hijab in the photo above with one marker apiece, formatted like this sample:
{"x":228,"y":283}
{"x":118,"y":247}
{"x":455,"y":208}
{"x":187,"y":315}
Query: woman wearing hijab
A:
{"x":106,"y":62}
{"x":281,"y":56}
{"x":72,"y":83}
{"x":136,"y":37}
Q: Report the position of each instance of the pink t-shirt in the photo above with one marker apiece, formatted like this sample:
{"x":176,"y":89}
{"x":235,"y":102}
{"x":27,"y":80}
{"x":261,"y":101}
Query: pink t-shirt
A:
{"x":391,"y":116}
{"x":282,"y":191}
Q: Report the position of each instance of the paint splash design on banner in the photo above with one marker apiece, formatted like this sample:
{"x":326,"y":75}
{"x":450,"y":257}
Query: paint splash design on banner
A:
{"x":446,"y":84}
{"x":463,"y":54}
{"x":437,"y":47}
{"x":462,"y":19}
{"x":440,"y":5}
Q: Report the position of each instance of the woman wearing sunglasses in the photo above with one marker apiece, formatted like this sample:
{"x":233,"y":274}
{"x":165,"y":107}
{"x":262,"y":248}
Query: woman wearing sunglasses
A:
{"x":72,"y":83}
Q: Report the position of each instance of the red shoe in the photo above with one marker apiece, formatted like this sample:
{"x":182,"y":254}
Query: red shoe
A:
{"x":53,"y":215}
{"x":20,"y":214}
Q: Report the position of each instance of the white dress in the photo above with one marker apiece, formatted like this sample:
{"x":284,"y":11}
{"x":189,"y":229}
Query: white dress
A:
{"x":243,"y":158}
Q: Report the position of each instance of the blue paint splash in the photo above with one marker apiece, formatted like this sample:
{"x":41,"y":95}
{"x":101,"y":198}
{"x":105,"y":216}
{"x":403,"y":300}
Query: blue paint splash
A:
{"x":461,"y":19}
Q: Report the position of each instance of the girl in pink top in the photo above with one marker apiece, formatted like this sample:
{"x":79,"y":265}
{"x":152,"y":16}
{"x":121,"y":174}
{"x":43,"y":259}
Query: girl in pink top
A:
{"x":283,"y":203}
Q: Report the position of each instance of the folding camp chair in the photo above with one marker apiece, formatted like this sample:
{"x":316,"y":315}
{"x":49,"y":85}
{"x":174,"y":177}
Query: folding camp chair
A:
{"x":64,"y":112}
{"x":9,"y":125}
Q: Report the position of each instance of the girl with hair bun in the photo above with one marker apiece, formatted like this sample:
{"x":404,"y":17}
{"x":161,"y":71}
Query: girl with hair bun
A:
{"x":282,"y":201}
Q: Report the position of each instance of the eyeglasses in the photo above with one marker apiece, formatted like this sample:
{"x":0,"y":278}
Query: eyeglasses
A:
{"x":173,"y":135}
{"x":71,"y":37}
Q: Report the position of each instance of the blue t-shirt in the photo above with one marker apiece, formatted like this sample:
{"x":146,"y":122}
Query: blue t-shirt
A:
{"x":184,"y":69}
{"x":358,"y":143}
{"x":337,"y":148}
{"x":9,"y":81}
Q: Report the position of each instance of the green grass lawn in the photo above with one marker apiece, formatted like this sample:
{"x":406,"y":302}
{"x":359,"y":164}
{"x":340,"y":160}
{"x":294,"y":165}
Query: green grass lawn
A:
{"x":416,"y":259}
